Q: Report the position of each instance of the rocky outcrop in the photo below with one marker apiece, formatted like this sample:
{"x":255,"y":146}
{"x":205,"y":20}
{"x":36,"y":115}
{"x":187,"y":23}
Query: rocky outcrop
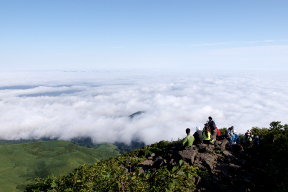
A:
{"x":224,"y":166}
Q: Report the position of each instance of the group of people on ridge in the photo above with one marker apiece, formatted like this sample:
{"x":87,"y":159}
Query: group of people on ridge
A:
{"x":232,"y":136}
{"x":209,"y":134}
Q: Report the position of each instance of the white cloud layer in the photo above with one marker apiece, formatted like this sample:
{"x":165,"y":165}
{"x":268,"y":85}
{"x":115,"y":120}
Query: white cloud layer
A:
{"x":59,"y":105}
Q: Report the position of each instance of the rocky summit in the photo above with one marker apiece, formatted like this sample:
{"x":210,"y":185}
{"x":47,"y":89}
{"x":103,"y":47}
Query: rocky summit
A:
{"x":224,"y":167}
{"x":168,"y":166}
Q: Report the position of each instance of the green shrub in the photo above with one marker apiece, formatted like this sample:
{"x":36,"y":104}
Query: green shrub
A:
{"x":123,"y":173}
{"x":272,"y":154}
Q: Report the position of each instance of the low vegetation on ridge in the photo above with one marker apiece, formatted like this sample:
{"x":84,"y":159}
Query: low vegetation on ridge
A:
{"x":124,"y":173}
{"x":155,"y":168}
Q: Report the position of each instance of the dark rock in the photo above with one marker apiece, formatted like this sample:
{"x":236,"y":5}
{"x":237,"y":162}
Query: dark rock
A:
{"x":188,"y":155}
{"x":223,"y":144}
{"x":236,"y":147}
{"x":210,"y":148}
{"x":208,"y":160}
{"x":198,"y":162}
{"x":194,"y":147}
{"x":209,"y":164}
{"x":159,"y":161}
{"x":224,"y":170}
{"x":218,"y":142}
{"x":193,"y":157}
{"x":227,"y":153}
{"x":225,"y":167}
{"x":202,"y":148}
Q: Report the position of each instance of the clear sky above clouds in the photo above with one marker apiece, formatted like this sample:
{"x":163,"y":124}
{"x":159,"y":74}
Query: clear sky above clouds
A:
{"x":94,"y":34}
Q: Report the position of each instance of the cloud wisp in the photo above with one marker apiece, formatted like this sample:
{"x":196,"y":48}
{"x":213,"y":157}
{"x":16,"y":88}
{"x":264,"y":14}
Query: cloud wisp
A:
{"x":242,"y":43}
{"x":100,"y":108}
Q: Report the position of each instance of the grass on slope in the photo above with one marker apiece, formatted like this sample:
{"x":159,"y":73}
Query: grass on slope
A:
{"x":21,"y":163}
{"x":124,"y":173}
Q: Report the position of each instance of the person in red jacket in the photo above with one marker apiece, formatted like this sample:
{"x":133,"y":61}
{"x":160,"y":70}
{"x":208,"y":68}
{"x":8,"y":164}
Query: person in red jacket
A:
{"x":218,"y":137}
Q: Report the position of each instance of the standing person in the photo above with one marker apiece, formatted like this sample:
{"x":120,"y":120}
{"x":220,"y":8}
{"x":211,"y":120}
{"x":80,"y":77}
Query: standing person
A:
{"x":248,"y":138}
{"x":213,"y":128}
{"x":188,"y":140}
{"x":198,"y":136}
{"x":206,"y":134}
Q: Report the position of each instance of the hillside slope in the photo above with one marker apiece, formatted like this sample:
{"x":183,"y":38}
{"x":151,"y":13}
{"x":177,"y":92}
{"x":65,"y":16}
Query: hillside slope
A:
{"x":167,"y":166}
{"x":160,"y":167}
{"x":21,"y":163}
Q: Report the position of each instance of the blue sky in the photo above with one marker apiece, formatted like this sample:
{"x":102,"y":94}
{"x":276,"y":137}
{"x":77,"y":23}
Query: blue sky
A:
{"x":91,"y":35}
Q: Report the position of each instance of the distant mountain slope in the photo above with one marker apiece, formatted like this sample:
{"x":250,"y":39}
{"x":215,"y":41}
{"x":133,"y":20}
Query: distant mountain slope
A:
{"x":122,"y":147}
{"x":21,"y":163}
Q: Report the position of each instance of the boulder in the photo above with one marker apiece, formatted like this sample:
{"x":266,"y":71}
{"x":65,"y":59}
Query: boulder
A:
{"x":223,"y":144}
{"x":202,"y":148}
{"x":147,"y":162}
{"x":208,"y":160}
{"x":210,"y":148}
{"x":188,"y":155}
{"x":227,"y":153}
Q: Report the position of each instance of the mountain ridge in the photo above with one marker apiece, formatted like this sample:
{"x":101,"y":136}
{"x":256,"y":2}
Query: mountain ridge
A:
{"x":167,"y":166}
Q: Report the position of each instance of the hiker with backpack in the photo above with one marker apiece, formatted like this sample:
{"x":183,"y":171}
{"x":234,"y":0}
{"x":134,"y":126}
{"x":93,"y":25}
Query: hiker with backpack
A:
{"x":213,"y":128}
{"x":198,"y":136}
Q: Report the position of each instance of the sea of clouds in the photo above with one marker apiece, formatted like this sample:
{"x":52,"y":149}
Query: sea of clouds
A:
{"x":66,"y":105}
